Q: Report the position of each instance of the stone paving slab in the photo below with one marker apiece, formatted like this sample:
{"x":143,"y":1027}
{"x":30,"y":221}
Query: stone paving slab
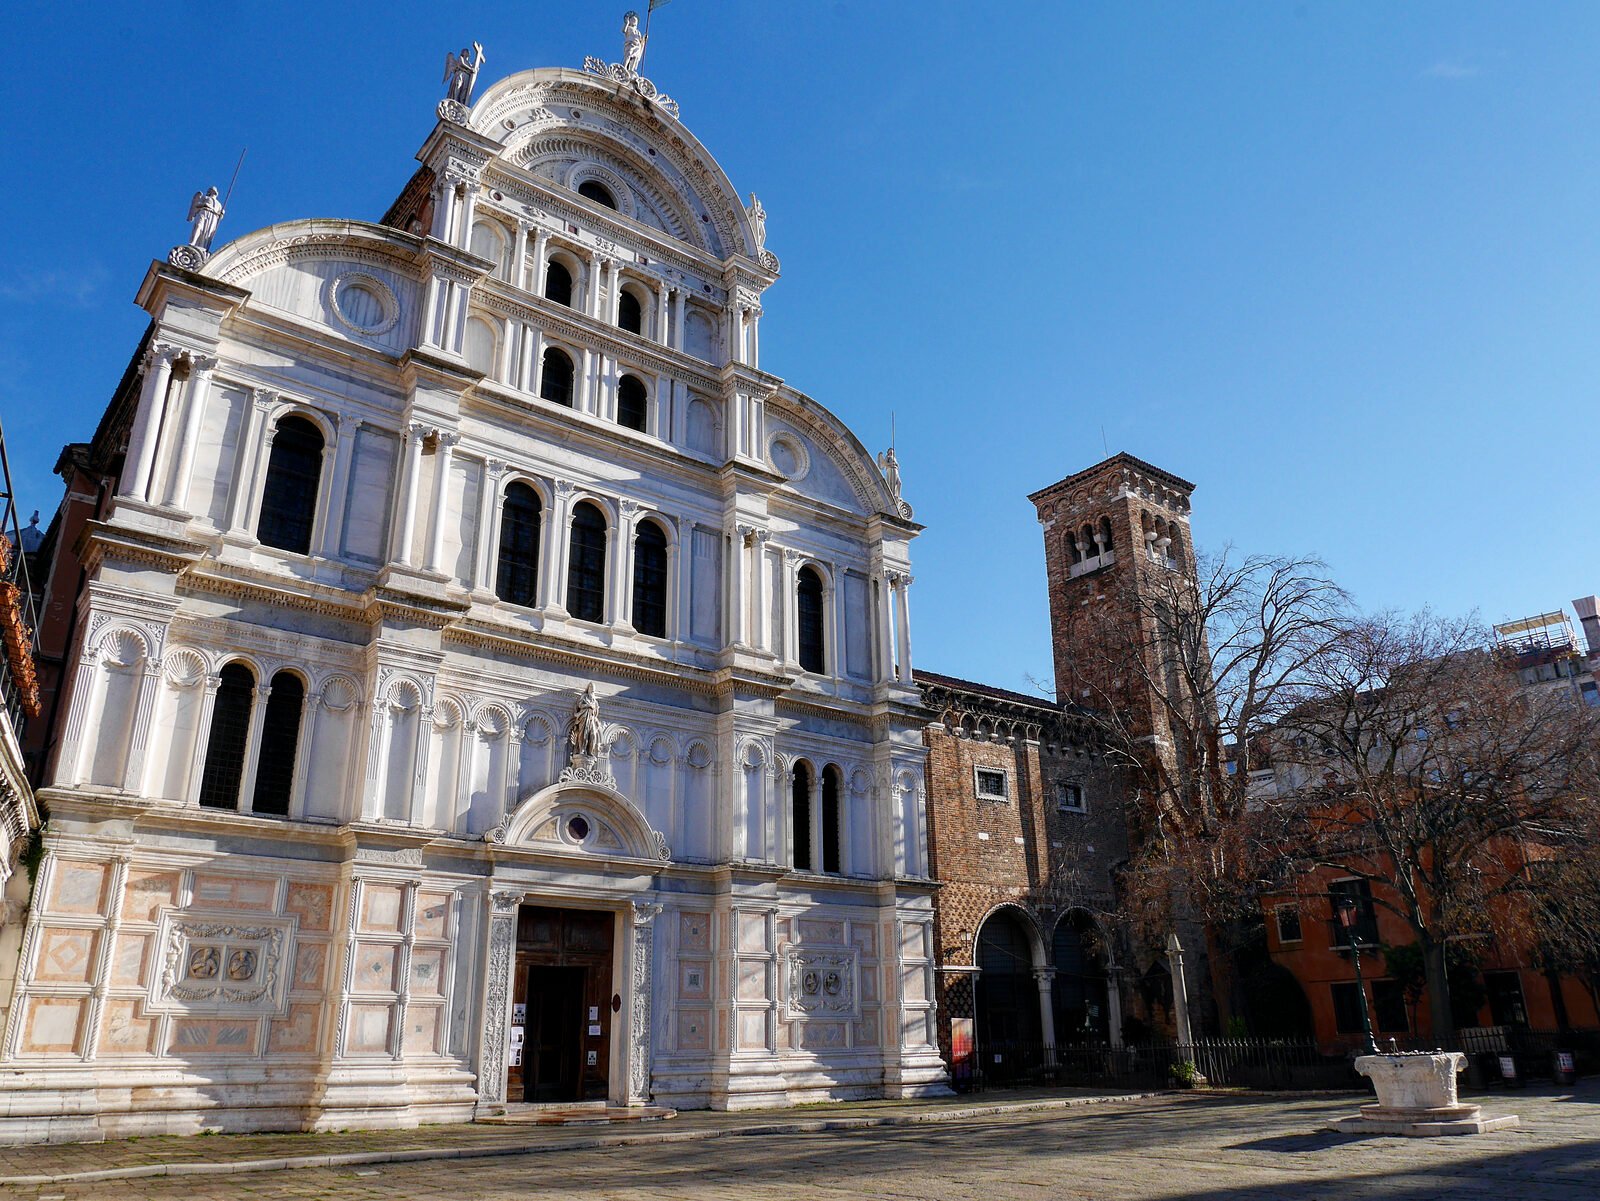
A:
{"x":1187,"y":1147}
{"x":237,"y":1154}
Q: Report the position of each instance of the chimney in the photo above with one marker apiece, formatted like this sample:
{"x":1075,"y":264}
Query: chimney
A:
{"x":1588,"y":608}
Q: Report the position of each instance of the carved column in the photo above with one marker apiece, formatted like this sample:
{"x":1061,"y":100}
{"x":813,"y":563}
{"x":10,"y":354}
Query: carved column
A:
{"x":541,"y":253}
{"x":338,"y":491}
{"x":904,"y":639}
{"x":489,"y":511}
{"x":144,"y":712}
{"x":639,"y":1040}
{"x":200,"y":368}
{"x":738,"y":575}
{"x":761,"y":589}
{"x":884,"y":648}
{"x":244,"y":470}
{"x":202,"y":740}
{"x":500,"y":954}
{"x":444,"y":448}
{"x":622,"y":606}
{"x":304,"y":738}
{"x":146,"y":431}
{"x":1044,"y":977}
{"x":833,"y":644}
{"x":661,"y":312}
{"x":613,"y":290}
{"x":74,"y":746}
{"x":791,"y":621}
{"x":252,"y":748}
{"x":1114,"y":1004}
{"x":677,"y":319}
{"x":592,"y":301}
{"x":1180,"y":991}
{"x":557,"y":544}
{"x":406,"y":526}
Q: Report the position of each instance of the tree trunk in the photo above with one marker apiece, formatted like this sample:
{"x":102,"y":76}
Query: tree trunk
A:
{"x":1224,"y":978}
{"x":1433,"y":965}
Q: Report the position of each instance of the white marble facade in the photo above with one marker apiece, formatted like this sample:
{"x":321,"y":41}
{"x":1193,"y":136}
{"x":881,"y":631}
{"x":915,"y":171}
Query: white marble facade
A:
{"x":346,"y":963}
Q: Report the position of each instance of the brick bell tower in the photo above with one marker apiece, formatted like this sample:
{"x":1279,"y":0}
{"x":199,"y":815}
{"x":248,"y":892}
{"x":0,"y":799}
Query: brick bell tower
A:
{"x":1112,"y":534}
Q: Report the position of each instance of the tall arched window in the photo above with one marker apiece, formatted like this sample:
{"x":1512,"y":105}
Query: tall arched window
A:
{"x":808,"y":616}
{"x":555,"y":381}
{"x":598,"y":192}
{"x":557,"y":283}
{"x":800,"y":815}
{"x":586,"y":566}
{"x":280,"y":737}
{"x":650,"y":580}
{"x":832,"y":834}
{"x":630,"y":313}
{"x":633,"y":403}
{"x":289,"y":497}
{"x":517,"y":576}
{"x":225,"y":745}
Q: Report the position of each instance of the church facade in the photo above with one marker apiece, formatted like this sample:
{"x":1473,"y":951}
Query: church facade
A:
{"x":488,"y":683}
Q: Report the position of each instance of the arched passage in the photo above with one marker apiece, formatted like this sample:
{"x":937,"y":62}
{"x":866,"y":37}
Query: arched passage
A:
{"x":1078,"y":994}
{"x":1007,"y":994}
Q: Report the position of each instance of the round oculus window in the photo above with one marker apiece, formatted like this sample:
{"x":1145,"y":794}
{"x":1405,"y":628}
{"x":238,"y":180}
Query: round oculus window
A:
{"x":577,"y":827}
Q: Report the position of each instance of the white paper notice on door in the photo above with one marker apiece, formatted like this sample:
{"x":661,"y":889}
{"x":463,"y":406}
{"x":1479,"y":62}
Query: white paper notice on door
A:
{"x":594,"y":1031}
{"x":516,"y":1057}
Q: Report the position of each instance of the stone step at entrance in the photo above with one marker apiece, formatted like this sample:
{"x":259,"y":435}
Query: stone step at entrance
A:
{"x":588,"y":1113}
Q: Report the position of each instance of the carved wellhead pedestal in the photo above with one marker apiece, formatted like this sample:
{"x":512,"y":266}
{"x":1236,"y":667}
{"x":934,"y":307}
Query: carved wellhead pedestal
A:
{"x":1417,"y":1097}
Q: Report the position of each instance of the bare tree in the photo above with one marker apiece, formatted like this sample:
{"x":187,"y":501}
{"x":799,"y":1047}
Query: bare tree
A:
{"x":1184,"y":674}
{"x":1418,"y":760}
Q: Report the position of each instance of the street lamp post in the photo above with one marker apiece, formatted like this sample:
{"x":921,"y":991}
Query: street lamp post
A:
{"x":1345,"y":907}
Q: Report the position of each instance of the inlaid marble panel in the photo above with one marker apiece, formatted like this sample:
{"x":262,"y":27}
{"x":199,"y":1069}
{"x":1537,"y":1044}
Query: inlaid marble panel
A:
{"x":123,"y":1031}
{"x":369,"y":1029}
{"x":234,"y":892}
{"x":310,"y":965}
{"x":148,"y":893}
{"x":66,"y":956}
{"x":694,"y":932}
{"x":694,"y":1030}
{"x":433,"y":914}
{"x":52,"y":1025}
{"x":130,"y":958}
{"x":423,"y":1023}
{"x":298,"y":1031}
{"x":78,"y":887}
{"x":381,"y":908}
{"x":216,"y":1037}
{"x":375,"y":966}
{"x":312,"y":904}
{"x":752,"y":1031}
{"x":427,"y":971}
{"x":752,"y":932}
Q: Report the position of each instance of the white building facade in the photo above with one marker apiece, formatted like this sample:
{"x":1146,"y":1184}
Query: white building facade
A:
{"x":492,"y":685}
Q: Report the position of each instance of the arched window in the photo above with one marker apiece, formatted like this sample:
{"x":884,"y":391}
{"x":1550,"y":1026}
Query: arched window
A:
{"x":598,"y":192}
{"x":289,"y":498}
{"x":831,"y":832}
{"x":633,"y":403}
{"x":808,"y":615}
{"x":800,"y":815}
{"x":555,"y":380}
{"x":630,"y":313}
{"x":517,"y":577}
{"x":650,"y":580}
{"x":586,"y":567}
{"x":557,"y":283}
{"x":225,"y":745}
{"x":280,"y":736}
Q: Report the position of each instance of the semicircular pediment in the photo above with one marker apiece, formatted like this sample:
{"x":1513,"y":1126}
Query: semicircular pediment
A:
{"x":580,"y":819}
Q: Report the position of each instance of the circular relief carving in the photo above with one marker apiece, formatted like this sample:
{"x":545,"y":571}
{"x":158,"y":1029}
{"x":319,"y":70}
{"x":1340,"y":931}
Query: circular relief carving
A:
{"x":363,"y":303}
{"x":788,"y":457}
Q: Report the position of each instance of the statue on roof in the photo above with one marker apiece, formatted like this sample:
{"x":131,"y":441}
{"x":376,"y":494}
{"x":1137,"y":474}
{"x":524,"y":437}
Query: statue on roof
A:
{"x":205,"y":211}
{"x":890,"y":466}
{"x":585,"y":734}
{"x":758,"y":221}
{"x":632,"y":44}
{"x":461,"y":73}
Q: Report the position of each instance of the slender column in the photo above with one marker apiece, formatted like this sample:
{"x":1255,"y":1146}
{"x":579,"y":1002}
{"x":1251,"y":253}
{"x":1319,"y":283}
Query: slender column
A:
{"x":586,"y":389}
{"x":557,"y":544}
{"x":339,"y":491}
{"x":70,"y":767}
{"x":444,"y":209}
{"x":141,"y":456}
{"x":541,"y":255}
{"x":530,"y":347}
{"x":677,"y":318}
{"x":592,"y":302}
{"x":657,"y":413}
{"x":816,"y":820}
{"x":625,"y":551}
{"x":144,"y":711}
{"x":517,"y":269}
{"x":904,"y":582}
{"x":1180,"y":991}
{"x":618,"y":598}
{"x":761,"y":589}
{"x":505,"y":371}
{"x":738,"y":573}
{"x":443,"y":452}
{"x":735,"y":423}
{"x":682,"y":564}
{"x":613,"y":290}
{"x":489,"y":509}
{"x":432,"y":319}
{"x":252,"y":748}
{"x":1114,"y":1005}
{"x":304,"y":737}
{"x":200,"y":368}
{"x":834,"y":642}
{"x":455,"y":317}
{"x":202,"y":741}
{"x":469,"y":210}
{"x":884,"y":643}
{"x":1044,"y":976}
{"x":406,"y":527}
{"x":327,"y":499}
{"x":791,"y":623}
{"x":416,"y":793}
{"x":661,"y":312}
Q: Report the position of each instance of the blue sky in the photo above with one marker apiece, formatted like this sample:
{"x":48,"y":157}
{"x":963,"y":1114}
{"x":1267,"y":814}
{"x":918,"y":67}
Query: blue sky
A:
{"x":1337,"y":264}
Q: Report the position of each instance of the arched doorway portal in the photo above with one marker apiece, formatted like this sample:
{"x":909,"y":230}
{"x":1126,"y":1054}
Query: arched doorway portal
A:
{"x":1007,"y":995}
{"x":1079,"y":993}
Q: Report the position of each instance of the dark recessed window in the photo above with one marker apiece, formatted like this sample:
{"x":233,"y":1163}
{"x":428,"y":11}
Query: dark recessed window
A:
{"x":830,"y":818}
{"x":630,"y":313}
{"x":289,"y":497}
{"x":586,"y":569}
{"x":633,"y":403}
{"x":1366,"y":926}
{"x":230,"y":729}
{"x":801,"y":816}
{"x":517,"y":576}
{"x":597,"y":192}
{"x":280,"y":736}
{"x":558,"y":284}
{"x":992,"y":785}
{"x":555,"y":379}
{"x":650,"y":580}
{"x":1347,"y":1007}
{"x":808,"y":614}
{"x":1288,"y":923}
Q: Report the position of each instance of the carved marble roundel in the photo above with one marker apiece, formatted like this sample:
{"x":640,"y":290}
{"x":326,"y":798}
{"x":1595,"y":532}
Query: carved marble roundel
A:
{"x":788,"y":457}
{"x":363,"y":303}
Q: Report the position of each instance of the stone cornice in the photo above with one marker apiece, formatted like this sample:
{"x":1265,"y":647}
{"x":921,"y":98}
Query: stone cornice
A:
{"x":103,"y":540}
{"x":162,"y":280}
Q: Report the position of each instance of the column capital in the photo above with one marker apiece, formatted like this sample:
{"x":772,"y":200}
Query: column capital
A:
{"x":417,"y":431}
{"x":446,"y":439}
{"x":263,"y":398}
{"x":565,"y":488}
{"x":495,"y":468}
